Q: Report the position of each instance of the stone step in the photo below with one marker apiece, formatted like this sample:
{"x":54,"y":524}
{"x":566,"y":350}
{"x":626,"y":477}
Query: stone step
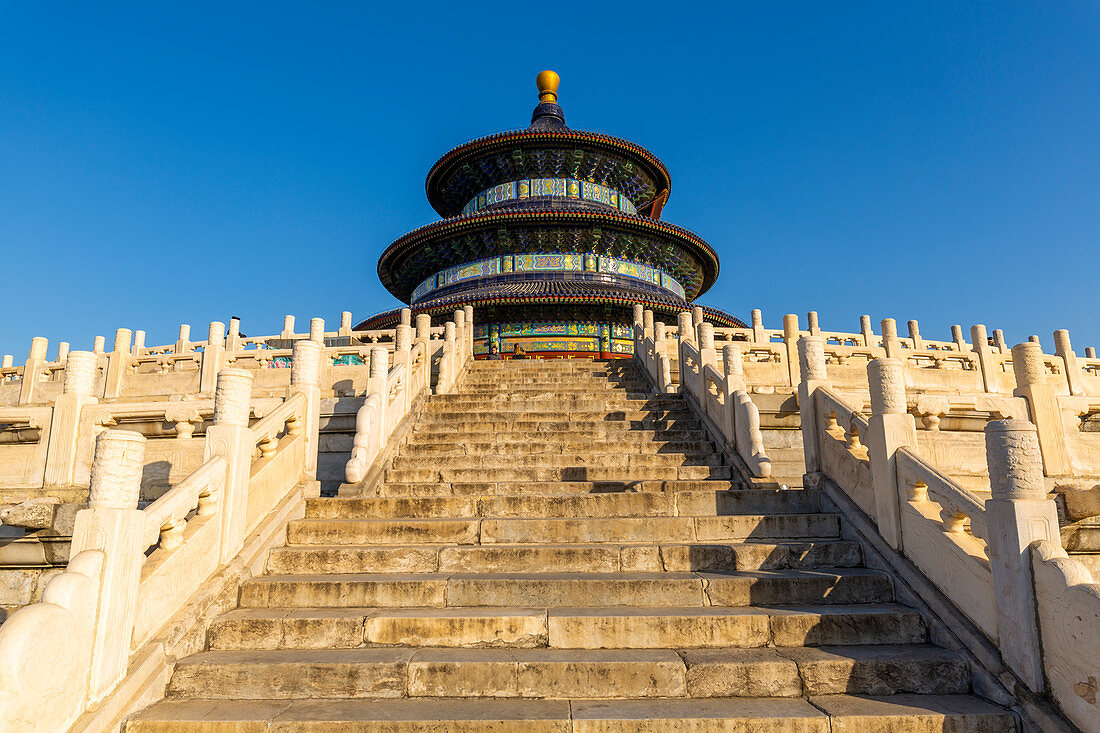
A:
{"x":616,"y":432}
{"x":564,"y":473}
{"x":608,"y":424}
{"x":493,"y":388}
{"x":529,"y":413}
{"x":821,"y":714}
{"x":568,"y":628}
{"x":562,"y":530}
{"x":536,"y":445}
{"x":557,"y":590}
{"x":554,"y":673}
{"x":580,"y":394}
{"x":573,"y":460}
{"x":571,"y":558}
{"x":619,"y":504}
{"x":530,"y":488}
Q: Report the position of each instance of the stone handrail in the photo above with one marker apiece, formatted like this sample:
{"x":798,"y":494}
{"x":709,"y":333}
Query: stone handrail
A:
{"x":392,"y":391}
{"x":975,"y":552}
{"x":166,"y":518}
{"x":70,"y":652}
{"x":721,"y":397}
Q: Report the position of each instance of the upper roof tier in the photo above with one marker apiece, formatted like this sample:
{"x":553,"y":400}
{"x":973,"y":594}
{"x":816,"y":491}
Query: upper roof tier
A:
{"x":547,"y":149}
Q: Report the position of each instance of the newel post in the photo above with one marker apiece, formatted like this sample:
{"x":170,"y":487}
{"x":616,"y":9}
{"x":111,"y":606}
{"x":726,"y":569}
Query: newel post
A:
{"x":113,"y":525}
{"x":1018,"y":514}
{"x":118,"y":363}
{"x":213,"y":357}
{"x":305,"y":377}
{"x":231,"y":438}
{"x":890,"y":427}
{"x":979,"y":344}
{"x":638,"y":312}
{"x":733,"y":367}
{"x":1032,"y":384}
{"x":81,"y":368}
{"x":811,"y":362}
{"x":890,"y":342}
{"x":376,"y":385}
{"x":790,"y":340}
{"x":1064,"y":349}
{"x":468,"y":310}
{"x":32,"y":369}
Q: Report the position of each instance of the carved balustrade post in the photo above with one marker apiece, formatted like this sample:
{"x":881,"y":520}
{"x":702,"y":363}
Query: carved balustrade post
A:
{"x":708,"y":356}
{"x":98,"y":344}
{"x":1033,"y":385}
{"x":288,"y":327}
{"x":914,"y":335}
{"x":233,"y":337}
{"x":659,"y":353}
{"x":957,"y":337}
{"x":790,"y":341}
{"x":317,"y":330}
{"x":758,"y":335}
{"x":405,"y":317}
{"x":32,"y":369}
{"x":812,"y":324}
{"x":213,"y":357}
{"x":305,"y":377}
{"x":1018,"y":514}
{"x":890,"y":343}
{"x":647,"y":325}
{"x":1064,"y":349}
{"x":63,"y":350}
{"x":638,"y":313}
{"x":403,"y":341}
{"x":687,"y":336}
{"x":460,"y":341}
{"x":696,"y":315}
{"x":811,"y":359}
{"x":999,"y":341}
{"x":424,"y":333}
{"x":979,"y":344}
{"x":733,"y":367}
{"x":230,"y":438}
{"x":865,"y":330}
{"x":81,"y":369}
{"x":345,"y":323}
{"x":890,"y":427}
{"x":113,"y":525}
{"x":118,"y":364}
{"x":468,"y":310}
{"x":376,"y":385}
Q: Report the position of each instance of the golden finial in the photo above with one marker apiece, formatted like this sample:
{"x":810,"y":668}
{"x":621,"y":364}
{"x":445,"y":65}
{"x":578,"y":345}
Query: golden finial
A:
{"x":547,"y":82}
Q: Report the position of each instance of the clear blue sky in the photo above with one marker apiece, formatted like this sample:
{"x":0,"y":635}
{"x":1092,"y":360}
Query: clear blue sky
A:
{"x":183,"y":162}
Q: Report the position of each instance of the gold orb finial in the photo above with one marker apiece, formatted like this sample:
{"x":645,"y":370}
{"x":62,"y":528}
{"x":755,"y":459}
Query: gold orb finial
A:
{"x":547,"y":82}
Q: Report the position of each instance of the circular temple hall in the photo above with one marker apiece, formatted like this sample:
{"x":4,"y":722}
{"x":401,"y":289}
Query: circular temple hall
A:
{"x":552,"y":235}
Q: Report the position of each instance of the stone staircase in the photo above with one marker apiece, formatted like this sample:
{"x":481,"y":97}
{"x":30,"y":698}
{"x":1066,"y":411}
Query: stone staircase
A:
{"x":554,"y":549}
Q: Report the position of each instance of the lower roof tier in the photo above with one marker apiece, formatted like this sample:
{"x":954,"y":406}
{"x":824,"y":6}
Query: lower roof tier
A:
{"x":428,"y":250}
{"x":550,"y":300}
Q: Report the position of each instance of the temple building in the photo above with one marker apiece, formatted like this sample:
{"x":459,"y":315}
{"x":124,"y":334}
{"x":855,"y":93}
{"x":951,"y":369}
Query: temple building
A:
{"x":553,"y":235}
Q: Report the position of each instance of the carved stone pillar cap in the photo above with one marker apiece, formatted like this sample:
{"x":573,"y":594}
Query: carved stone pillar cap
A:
{"x":811,"y":357}
{"x":1027,"y":363}
{"x":731,"y":360}
{"x":379,"y":361}
{"x":886,"y":380}
{"x":80,"y":370}
{"x":1015,"y":463}
{"x":116,"y":470}
{"x":232,"y":397}
{"x":305,"y":367}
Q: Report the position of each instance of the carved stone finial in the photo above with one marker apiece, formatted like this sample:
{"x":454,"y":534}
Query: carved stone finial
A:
{"x":1015,"y":463}
{"x":305,"y":367}
{"x":232,"y":397}
{"x":116,"y":470}
{"x":80,"y":370}
{"x":886,"y":379}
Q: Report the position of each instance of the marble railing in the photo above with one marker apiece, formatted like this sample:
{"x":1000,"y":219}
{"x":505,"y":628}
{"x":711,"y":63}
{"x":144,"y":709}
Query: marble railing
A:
{"x":132,"y":370}
{"x":393,"y":391}
{"x":720,"y":397}
{"x":109,"y":626}
{"x":997,"y":559}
